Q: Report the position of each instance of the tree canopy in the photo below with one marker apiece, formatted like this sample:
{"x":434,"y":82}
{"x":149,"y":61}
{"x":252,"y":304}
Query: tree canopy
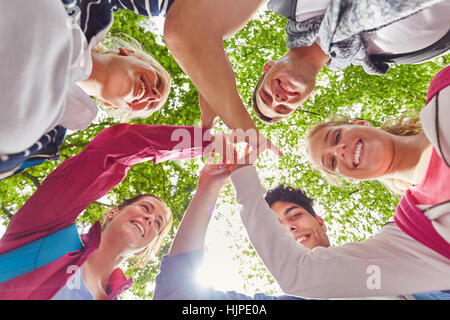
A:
{"x":353,"y":212}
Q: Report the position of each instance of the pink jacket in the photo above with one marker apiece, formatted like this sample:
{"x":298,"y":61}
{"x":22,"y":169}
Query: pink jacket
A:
{"x":77,"y":182}
{"x":433,"y":190}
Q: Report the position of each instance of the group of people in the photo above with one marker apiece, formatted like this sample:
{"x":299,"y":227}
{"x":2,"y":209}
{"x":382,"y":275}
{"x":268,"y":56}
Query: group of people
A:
{"x":41,"y":250}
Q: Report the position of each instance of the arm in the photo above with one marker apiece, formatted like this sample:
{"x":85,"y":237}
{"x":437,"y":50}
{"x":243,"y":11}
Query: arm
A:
{"x":405,"y":266}
{"x":177,"y":278}
{"x":88,"y":176}
{"x":192,"y":231}
{"x":194,"y":32}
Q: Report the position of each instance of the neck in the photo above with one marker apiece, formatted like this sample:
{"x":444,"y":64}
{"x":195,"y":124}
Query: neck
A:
{"x":313,"y":54}
{"x":410,"y":155}
{"x":93,"y":85}
{"x":98,"y":268}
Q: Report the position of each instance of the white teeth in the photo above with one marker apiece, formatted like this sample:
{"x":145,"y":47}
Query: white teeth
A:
{"x":286,"y":87}
{"x":301,"y":239}
{"x":141,"y":91}
{"x":139,"y":227}
{"x":357,"y":155}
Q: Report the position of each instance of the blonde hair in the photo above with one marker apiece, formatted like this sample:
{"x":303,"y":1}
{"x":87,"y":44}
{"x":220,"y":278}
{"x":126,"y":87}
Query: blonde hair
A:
{"x":407,"y":124}
{"x":112,"y":44}
{"x":138,"y":261}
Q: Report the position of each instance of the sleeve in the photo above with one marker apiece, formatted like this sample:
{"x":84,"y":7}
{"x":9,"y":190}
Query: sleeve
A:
{"x":88,"y":176}
{"x":436,"y":113}
{"x":177,"y":280}
{"x":33,"y":90}
{"x":144,"y":7}
{"x":390,"y":264}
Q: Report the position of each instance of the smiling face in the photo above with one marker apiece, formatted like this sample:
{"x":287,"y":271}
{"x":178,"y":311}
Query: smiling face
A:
{"x":131,"y":83}
{"x":139,"y":223}
{"x":355,"y":151}
{"x":285,"y":85}
{"x":307,"y":230}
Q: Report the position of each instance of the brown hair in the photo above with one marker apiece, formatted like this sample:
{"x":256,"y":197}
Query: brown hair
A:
{"x":258,"y":112}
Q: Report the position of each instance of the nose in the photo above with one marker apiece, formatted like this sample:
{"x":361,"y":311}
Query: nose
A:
{"x":154,"y":95}
{"x":339,"y":151}
{"x":149,"y":218}
{"x":280,"y":97}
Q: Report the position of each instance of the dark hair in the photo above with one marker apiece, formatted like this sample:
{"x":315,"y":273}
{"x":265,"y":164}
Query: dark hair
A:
{"x":129,"y":201}
{"x":289,"y":194}
{"x":258,"y":112}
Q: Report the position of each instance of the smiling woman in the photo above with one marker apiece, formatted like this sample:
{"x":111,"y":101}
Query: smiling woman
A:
{"x":41,"y":248}
{"x":156,"y":220}
{"x":394,"y":154}
{"x":62,"y":50}
{"x":128,"y":80}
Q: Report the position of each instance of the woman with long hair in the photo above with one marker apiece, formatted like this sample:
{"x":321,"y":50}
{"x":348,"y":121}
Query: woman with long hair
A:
{"x":41,"y":249}
{"x":53,"y":65}
{"x":411,"y":158}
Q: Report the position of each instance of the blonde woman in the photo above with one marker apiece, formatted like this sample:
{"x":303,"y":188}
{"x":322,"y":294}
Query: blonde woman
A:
{"x":355,"y":150}
{"x":42,"y":255}
{"x":408,"y":159}
{"x":53,"y":65}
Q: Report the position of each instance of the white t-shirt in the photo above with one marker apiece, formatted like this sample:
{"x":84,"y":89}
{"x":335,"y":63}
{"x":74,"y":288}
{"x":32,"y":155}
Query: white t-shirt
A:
{"x":399,"y":264}
{"x":410,"y":34}
{"x":43,"y":55}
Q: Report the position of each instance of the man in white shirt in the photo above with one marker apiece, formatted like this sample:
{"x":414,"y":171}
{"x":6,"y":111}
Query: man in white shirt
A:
{"x":342,"y":33}
{"x":304,"y":264}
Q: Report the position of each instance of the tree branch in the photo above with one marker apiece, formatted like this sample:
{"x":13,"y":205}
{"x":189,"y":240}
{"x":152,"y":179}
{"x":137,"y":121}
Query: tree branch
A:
{"x":164,"y":185}
{"x":34,"y":179}
{"x":103,"y":204}
{"x":7,"y":212}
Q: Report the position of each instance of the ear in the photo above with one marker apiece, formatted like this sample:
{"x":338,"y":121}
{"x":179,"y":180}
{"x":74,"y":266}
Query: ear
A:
{"x":267,"y":66}
{"x":125,"y":52}
{"x":321,"y":223}
{"x":112,"y":213}
{"x":362,"y":122}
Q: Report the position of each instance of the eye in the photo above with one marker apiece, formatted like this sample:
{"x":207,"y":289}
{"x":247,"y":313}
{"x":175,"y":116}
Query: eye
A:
{"x":338,"y":137}
{"x":158,"y":80}
{"x":333,"y":163}
{"x":295,"y":216}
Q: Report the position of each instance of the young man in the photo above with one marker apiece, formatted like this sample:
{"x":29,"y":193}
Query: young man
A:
{"x":343,"y":33}
{"x":307,"y":233}
{"x":390,"y":264}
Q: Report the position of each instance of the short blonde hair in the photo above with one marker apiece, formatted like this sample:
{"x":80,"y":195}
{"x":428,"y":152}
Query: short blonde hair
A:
{"x":138,"y":261}
{"x":407,"y":124}
{"x":112,"y":44}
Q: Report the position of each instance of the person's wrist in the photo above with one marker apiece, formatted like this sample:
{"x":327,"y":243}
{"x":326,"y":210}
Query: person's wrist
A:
{"x":208,"y":187}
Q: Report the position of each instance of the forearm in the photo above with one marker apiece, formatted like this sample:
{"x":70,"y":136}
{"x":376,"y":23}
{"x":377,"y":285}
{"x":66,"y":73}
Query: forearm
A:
{"x":346,"y":271}
{"x":194,"y":33}
{"x":192,"y":231}
{"x":89,"y":175}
